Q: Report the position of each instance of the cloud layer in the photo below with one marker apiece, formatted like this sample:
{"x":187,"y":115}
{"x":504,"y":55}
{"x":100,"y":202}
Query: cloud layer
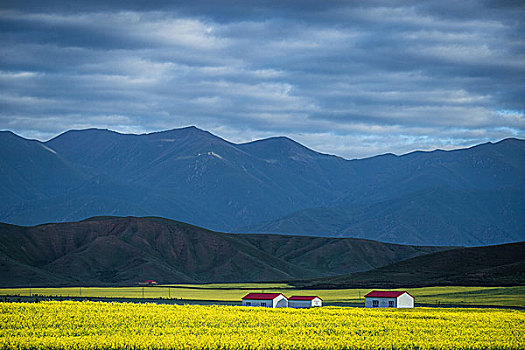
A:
{"x":349,"y":78}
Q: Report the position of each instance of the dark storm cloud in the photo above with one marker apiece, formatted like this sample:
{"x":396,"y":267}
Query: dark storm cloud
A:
{"x":351,"y":78}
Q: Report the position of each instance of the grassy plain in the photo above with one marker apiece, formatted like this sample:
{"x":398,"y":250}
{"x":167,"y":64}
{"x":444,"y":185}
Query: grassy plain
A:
{"x":461,"y":296}
{"x":90,"y":325}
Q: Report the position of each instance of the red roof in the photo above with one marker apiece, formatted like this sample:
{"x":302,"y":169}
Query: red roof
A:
{"x":262,"y":296}
{"x":150,"y":281}
{"x":301,"y":297}
{"x":386,"y":294}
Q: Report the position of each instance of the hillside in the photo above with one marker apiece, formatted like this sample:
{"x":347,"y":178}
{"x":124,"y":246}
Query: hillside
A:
{"x":431,"y":216}
{"x":113,"y":250}
{"x":469,"y":197}
{"x":184,"y":174}
{"x":30,"y":171}
{"x":498,"y":265}
{"x":473,"y":196}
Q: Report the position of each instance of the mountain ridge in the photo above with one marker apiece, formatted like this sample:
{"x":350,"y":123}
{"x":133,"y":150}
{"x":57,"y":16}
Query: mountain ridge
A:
{"x":273,"y":185}
{"x":272,"y":138}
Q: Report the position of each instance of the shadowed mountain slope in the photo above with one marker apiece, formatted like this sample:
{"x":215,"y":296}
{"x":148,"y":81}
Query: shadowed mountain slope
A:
{"x":474,"y":196}
{"x":116,"y":250}
{"x":223,"y":184}
{"x":433,"y":215}
{"x":32,"y":171}
{"x":498,"y":265}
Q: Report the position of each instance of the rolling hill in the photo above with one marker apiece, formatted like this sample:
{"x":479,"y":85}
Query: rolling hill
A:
{"x":473,"y":196}
{"x":497,"y":265}
{"x":115,"y":250}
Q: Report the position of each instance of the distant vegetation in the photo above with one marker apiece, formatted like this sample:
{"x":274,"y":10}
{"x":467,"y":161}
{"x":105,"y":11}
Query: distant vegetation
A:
{"x":470,"y":197}
{"x":74,"y":325}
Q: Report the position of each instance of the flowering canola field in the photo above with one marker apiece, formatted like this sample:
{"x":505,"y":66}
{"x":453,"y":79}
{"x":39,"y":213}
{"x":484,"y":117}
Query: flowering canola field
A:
{"x":90,"y":325}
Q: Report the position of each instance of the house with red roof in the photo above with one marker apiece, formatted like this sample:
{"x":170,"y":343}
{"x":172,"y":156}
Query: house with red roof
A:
{"x":265,"y":300}
{"x":301,"y":301}
{"x":387,"y":298}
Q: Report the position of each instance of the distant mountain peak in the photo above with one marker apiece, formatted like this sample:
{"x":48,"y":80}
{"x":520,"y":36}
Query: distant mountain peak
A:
{"x":384,"y":156}
{"x":510,"y":140}
{"x":100,"y":132}
{"x":279,"y":147}
{"x":278,"y":139}
{"x":191,"y":128}
{"x":189,"y":131}
{"x":86,"y":132}
{"x":9,"y":134}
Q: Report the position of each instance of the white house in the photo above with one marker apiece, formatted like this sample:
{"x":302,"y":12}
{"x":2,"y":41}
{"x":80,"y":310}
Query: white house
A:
{"x":396,"y":299}
{"x":305,"y":301}
{"x":265,"y":300}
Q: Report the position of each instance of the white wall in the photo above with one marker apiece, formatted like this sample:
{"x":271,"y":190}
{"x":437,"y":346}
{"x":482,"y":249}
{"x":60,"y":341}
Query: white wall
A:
{"x":402,"y":301}
{"x":405,"y":301}
{"x":316,"y":302}
{"x":382,"y":302}
{"x":299,"y":303}
{"x":252,"y":302}
{"x":280,"y":301}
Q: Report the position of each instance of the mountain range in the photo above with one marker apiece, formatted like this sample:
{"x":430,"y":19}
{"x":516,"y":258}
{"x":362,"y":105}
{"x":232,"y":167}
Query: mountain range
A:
{"x":470,"y":197}
{"x":120,"y":251}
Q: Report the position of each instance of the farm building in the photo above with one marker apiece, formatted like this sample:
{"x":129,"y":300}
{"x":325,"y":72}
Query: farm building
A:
{"x":148,"y":283}
{"x":389,"y":299}
{"x":305,"y":301}
{"x":265,"y":300}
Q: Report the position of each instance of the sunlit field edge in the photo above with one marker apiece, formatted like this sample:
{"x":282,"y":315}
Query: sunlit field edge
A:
{"x":455,"y":295}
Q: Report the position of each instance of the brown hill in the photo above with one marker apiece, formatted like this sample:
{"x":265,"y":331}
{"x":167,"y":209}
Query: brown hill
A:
{"x":497,"y":265}
{"x":115,"y":250}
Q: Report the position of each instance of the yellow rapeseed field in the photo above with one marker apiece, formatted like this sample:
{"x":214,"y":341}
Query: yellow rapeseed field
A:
{"x":90,"y":325}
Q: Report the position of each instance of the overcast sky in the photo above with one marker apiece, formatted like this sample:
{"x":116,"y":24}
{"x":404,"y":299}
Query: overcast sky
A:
{"x":342,"y":77}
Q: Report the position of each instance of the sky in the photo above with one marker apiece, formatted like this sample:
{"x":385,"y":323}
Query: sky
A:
{"x":351,"y":78}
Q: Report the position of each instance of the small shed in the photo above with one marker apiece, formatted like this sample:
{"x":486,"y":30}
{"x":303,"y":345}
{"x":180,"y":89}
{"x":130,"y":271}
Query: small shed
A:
{"x":397,"y":299}
{"x":148,"y":283}
{"x":299,"y":301}
{"x":265,"y":300}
